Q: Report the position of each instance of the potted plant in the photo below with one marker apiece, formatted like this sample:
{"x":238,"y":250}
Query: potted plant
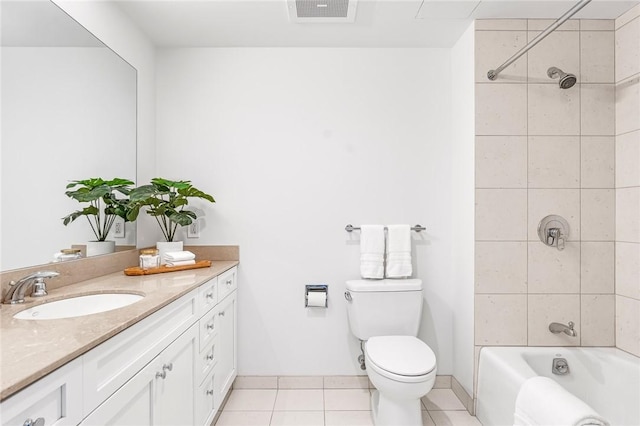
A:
{"x":165,"y":200}
{"x":103,"y":208}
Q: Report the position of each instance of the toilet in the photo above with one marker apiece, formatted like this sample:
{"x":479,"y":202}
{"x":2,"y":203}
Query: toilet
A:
{"x":385,"y":314}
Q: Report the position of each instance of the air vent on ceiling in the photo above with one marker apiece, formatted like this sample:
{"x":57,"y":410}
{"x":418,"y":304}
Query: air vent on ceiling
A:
{"x":322,"y":11}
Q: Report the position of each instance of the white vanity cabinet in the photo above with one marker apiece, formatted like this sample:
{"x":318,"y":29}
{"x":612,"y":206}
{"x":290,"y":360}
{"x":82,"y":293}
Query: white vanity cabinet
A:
{"x":161,"y":393}
{"x":171,"y":368}
{"x":57,"y":399}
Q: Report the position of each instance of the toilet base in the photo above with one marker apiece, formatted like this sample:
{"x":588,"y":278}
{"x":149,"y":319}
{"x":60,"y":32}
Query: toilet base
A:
{"x":395,"y":412}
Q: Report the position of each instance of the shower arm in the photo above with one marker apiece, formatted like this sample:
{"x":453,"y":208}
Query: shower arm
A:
{"x":493,"y":74}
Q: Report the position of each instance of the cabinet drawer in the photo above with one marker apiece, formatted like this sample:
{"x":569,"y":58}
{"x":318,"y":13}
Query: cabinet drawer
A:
{"x":57,"y":398}
{"x":206,"y":404}
{"x":208,"y":328}
{"x":111,"y":364}
{"x":207,"y":295}
{"x":227,"y":282}
{"x":207,"y":359}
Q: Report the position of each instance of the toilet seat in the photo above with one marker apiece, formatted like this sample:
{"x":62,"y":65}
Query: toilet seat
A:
{"x":400,"y":358}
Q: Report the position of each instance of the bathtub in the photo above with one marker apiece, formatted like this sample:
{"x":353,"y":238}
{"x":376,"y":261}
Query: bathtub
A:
{"x":607,"y":379}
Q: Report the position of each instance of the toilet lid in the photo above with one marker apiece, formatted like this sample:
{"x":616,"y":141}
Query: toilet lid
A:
{"x":401,"y":355}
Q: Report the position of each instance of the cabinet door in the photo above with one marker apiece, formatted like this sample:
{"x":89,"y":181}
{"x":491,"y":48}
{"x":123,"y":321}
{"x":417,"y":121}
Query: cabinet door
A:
{"x":226,"y":368}
{"x":175,"y":392}
{"x":131,"y":405}
{"x":56,"y":398}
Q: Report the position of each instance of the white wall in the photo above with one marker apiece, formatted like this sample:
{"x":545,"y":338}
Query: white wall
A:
{"x":107,"y":22}
{"x":462,"y":267}
{"x":294,"y":144}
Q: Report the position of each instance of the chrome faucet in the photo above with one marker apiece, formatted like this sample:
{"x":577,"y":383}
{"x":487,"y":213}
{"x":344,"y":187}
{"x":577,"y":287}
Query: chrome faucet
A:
{"x":17,"y":289}
{"x":556,"y":327}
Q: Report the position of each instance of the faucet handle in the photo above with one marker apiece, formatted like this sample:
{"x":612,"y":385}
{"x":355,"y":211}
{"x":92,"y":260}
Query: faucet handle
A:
{"x":39,"y":288}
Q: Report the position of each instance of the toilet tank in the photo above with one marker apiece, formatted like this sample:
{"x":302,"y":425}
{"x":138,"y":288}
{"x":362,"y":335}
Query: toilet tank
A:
{"x":384,"y":307}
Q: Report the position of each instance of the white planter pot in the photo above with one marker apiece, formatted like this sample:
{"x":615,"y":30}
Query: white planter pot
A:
{"x":97,"y":248}
{"x":164,"y":247}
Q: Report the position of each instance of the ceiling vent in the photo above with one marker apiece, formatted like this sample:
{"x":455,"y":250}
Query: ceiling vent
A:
{"x":322,"y":11}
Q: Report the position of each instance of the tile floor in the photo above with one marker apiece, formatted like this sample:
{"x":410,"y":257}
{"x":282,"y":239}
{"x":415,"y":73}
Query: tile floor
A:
{"x":329,"y":407}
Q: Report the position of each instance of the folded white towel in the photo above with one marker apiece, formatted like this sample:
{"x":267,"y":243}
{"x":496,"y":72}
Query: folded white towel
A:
{"x":178,"y":256}
{"x":542,"y":401}
{"x":399,"y":251}
{"x":372,"y":251}
{"x":181,"y":262}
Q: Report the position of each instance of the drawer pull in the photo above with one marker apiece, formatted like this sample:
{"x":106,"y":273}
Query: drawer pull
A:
{"x":229,"y":282}
{"x":210,"y":326}
{"x":221,"y":313}
{"x":210,"y":357}
{"x":209,"y":392}
{"x":209,"y":295}
{"x":37,"y":422}
{"x":162,"y":375}
{"x":167,"y":367}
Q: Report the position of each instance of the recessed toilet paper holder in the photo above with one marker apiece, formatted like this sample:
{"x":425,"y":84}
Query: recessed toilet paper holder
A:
{"x":315,"y":295}
{"x":553,"y":230}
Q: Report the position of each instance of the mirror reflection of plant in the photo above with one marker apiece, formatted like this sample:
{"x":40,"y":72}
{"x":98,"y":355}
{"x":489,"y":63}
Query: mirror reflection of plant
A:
{"x":165,"y":200}
{"x":97,"y":192}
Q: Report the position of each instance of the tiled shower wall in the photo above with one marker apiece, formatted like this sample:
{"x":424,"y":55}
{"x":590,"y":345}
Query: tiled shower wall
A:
{"x":627,"y":271}
{"x":541,"y":150}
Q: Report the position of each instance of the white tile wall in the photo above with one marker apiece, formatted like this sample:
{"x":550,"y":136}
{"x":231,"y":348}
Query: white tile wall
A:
{"x":597,"y":161}
{"x":552,"y":111}
{"x":554,"y":161}
{"x":570,"y":170}
{"x":501,"y":162}
{"x":627,"y":179}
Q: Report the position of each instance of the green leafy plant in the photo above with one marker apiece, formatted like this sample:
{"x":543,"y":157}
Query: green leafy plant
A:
{"x":104,"y":205}
{"x":165,"y":200}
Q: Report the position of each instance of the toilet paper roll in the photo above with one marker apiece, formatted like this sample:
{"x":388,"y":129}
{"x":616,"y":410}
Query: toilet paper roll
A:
{"x":316,"y":299}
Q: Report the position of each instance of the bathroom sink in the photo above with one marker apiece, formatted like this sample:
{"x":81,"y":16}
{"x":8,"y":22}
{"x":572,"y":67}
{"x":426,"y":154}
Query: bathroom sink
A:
{"x":78,"y":306}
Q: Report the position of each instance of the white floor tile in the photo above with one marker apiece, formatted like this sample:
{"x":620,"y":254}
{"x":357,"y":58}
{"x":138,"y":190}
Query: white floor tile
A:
{"x":454,"y":418}
{"x":300,"y":382}
{"x":346,"y":382}
{"x":348,"y":418}
{"x":297,"y":418}
{"x":244,"y":418}
{"x":299,"y":400}
{"x":347,"y":399}
{"x":256,"y":382}
{"x":251,"y":400}
{"x":442,"y":399}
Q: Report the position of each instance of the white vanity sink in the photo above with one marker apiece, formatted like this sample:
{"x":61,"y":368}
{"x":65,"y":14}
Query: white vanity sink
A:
{"x":78,"y":306}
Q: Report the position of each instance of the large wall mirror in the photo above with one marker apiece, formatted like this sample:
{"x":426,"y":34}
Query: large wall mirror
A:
{"x":68,"y":113}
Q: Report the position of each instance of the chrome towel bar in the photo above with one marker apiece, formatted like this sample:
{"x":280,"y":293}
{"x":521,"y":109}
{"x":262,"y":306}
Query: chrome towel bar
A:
{"x":351,"y":228}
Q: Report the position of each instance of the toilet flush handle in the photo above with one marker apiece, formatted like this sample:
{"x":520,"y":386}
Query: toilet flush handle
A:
{"x":347,"y":296}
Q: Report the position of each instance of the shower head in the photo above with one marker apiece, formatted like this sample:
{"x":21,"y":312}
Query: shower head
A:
{"x":566,"y":80}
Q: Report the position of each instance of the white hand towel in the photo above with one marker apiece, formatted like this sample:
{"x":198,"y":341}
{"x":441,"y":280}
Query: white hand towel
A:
{"x":542,"y":401}
{"x":372,"y":251}
{"x":178,"y":256}
{"x":399,"y":251}
{"x":181,"y":262}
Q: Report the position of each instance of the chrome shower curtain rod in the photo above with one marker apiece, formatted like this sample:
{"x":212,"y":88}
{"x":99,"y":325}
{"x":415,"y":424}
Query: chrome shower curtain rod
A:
{"x":493,"y":74}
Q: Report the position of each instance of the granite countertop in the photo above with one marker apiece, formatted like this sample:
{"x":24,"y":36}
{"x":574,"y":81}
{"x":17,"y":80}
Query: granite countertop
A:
{"x":30,"y":349}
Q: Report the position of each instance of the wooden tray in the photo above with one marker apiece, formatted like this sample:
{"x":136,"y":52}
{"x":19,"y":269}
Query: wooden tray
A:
{"x":136,"y":270}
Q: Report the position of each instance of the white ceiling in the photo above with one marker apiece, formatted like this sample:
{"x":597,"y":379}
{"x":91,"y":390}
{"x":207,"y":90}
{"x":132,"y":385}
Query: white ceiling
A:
{"x":378,"y":23}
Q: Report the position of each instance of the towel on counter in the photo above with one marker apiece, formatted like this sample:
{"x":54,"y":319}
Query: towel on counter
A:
{"x":542,"y":401}
{"x":372,"y":251}
{"x":181,"y":262}
{"x":178,"y":256}
{"x":399,"y":251}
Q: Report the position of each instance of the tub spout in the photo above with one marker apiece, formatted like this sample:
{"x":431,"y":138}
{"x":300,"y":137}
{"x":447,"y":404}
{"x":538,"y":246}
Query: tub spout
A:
{"x":556,"y":327}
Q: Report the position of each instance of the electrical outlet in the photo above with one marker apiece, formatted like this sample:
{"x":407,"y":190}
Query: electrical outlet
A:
{"x":193,"y":230}
{"x":118,"y":228}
